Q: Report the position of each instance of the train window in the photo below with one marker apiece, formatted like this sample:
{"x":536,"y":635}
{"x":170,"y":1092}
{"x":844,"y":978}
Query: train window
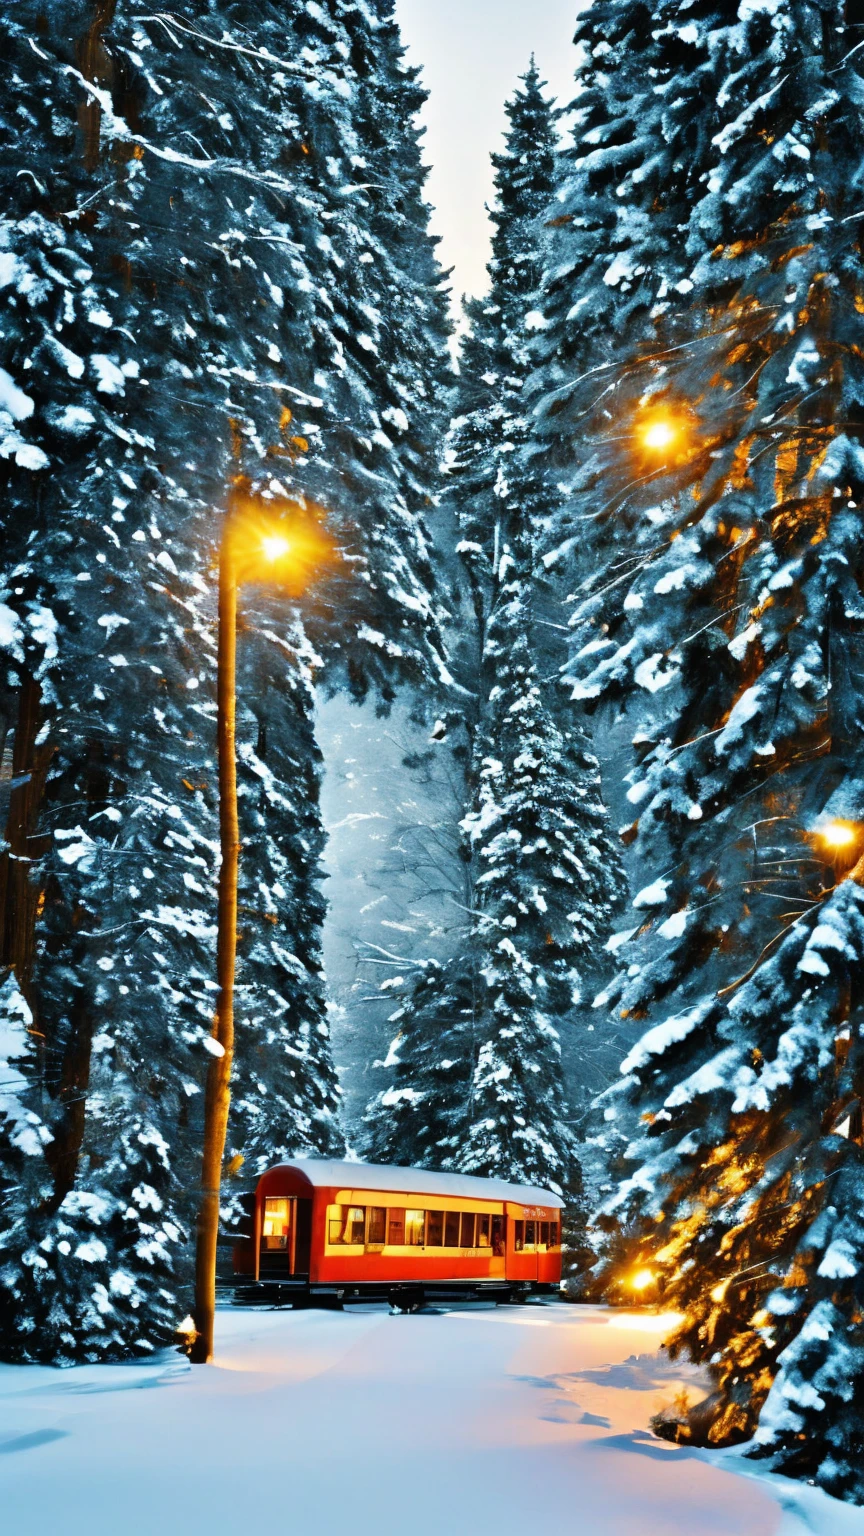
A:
{"x":519,"y":1236}
{"x":377,"y":1228}
{"x":435,"y":1229}
{"x":415,"y":1226}
{"x":396,"y":1228}
{"x":467,"y":1240}
{"x":347,"y":1225}
{"x":483,"y":1238}
{"x":451,"y":1229}
{"x":553,"y":1234}
{"x":530,"y":1234}
{"x":498,"y":1230}
{"x":544,"y":1234}
{"x":275,"y":1230}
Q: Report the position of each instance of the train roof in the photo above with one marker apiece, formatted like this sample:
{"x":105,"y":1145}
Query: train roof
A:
{"x":329,"y":1173}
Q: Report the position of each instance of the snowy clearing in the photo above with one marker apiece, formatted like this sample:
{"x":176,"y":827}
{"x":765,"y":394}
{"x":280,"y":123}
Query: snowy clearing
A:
{"x":481,"y":1419}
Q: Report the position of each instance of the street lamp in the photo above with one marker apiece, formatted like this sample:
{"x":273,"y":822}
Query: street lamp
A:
{"x":841,"y":842}
{"x":659,"y":434}
{"x":643,"y":1280}
{"x":663,"y":433}
{"x":282,"y":544}
{"x":838,"y":836}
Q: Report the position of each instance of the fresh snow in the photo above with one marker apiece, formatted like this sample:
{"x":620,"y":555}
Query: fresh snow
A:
{"x":12,"y":399}
{"x":500,"y":1420}
{"x":330,"y":1173}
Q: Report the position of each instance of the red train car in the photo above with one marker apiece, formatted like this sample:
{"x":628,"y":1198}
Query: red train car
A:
{"x":345,"y":1231}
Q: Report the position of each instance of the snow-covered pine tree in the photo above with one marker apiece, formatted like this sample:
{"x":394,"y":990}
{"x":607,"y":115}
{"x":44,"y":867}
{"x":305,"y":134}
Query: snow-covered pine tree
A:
{"x":496,"y":508}
{"x":178,"y":175}
{"x":739,"y":623}
{"x":378,"y":429}
{"x":544,"y":885}
{"x":416,"y":1120}
{"x":615,"y":261}
{"x":478,"y":1083}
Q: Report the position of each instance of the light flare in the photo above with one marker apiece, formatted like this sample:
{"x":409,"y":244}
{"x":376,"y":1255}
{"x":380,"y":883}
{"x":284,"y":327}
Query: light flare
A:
{"x":838,"y":835}
{"x":642,"y":1279}
{"x":659,"y":434}
{"x":274,"y":546}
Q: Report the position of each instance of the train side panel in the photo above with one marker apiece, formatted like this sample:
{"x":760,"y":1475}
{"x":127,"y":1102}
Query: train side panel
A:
{"x":356,"y":1236}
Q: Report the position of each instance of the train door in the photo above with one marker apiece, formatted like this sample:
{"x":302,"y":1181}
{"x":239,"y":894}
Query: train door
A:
{"x":286,"y":1236}
{"x":302,"y":1238}
{"x":276,"y":1234}
{"x":525,"y":1249}
{"x":532,"y":1233}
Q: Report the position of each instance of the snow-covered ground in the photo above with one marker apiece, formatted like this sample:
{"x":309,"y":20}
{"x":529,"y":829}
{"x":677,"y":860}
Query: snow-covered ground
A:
{"x":492,"y":1421}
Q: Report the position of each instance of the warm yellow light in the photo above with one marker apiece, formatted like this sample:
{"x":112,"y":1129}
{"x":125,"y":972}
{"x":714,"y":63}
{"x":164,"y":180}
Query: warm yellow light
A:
{"x":658,"y":434}
{"x":275,"y":547}
{"x":642,"y":1279}
{"x":276,"y":542}
{"x":838,"y":834}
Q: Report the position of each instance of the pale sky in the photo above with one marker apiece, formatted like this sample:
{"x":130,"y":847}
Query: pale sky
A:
{"x":472,"y":52}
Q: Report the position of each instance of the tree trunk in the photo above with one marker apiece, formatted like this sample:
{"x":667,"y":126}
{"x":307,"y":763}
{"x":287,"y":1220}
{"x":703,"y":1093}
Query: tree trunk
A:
{"x":20,"y":899}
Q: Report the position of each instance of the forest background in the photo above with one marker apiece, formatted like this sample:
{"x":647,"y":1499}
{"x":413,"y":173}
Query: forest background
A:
{"x":604,"y":584}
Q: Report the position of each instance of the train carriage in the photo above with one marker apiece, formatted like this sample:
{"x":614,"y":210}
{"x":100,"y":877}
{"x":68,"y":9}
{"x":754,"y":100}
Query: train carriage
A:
{"x":336,"y":1231}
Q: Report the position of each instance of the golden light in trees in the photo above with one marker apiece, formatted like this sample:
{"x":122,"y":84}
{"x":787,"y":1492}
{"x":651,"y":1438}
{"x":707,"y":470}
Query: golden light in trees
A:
{"x":272,"y":540}
{"x":839,"y":836}
{"x":662,"y":432}
{"x":659,"y":434}
{"x":275,"y":547}
{"x":839,"y":843}
{"x":642,"y":1279}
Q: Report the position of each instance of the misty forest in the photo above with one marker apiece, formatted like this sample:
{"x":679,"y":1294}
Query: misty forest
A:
{"x":551,"y":616}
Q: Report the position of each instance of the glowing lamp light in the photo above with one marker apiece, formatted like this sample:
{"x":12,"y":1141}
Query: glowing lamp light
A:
{"x":659,"y":434}
{"x":642,"y":1279}
{"x":274,"y":547}
{"x":838,"y":835}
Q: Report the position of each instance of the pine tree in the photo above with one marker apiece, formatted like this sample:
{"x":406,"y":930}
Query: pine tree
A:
{"x":496,"y":510}
{"x":478,"y":1083}
{"x":180,"y":175}
{"x":733,"y":612}
{"x":418,"y":1119}
{"x":616,"y":270}
{"x":543,"y":883}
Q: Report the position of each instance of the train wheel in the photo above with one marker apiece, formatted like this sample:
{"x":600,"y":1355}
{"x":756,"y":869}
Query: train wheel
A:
{"x":520,"y":1297}
{"x":407,"y":1300}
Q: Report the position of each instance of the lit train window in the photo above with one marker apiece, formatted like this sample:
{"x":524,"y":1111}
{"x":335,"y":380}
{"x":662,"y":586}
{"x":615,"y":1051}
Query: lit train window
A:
{"x":484,"y":1239}
{"x":276,"y":1221}
{"x":377,"y":1228}
{"x":553,"y":1234}
{"x":348,"y":1225}
{"x":498,"y":1236}
{"x":396,"y":1228}
{"x":451,"y":1229}
{"x":415,"y":1226}
{"x":519,"y":1236}
{"x":435,"y":1229}
{"x":467,"y":1230}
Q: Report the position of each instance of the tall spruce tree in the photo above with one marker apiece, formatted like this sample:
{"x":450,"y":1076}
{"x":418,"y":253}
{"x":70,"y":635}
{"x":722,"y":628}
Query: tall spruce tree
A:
{"x":203,"y":280}
{"x":731,"y":478}
{"x":615,"y":267}
{"x":478,"y":1082}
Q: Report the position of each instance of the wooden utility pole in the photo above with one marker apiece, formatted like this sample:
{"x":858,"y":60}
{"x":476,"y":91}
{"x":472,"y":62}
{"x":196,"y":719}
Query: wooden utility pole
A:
{"x":259,"y":543}
{"x":218,"y":1090}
